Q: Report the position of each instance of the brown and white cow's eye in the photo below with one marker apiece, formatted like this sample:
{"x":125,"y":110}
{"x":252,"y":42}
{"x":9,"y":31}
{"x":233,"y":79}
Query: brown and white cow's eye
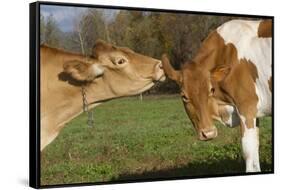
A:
{"x":185,"y":99}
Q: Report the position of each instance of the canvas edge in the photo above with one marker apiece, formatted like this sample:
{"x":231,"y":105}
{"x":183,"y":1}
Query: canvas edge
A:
{"x":34,"y":139}
{"x":34,"y":106}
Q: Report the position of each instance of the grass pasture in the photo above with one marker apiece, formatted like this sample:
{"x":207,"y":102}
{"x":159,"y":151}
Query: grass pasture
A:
{"x":147,"y":139}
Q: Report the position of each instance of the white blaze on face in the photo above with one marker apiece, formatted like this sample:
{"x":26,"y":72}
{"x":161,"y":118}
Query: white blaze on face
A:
{"x":243,"y":35}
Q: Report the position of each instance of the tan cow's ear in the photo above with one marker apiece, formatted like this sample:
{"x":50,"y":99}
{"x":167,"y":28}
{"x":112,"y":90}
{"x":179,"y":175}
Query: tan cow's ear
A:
{"x":83,"y":71}
{"x":170,"y":71}
{"x":219,"y":73}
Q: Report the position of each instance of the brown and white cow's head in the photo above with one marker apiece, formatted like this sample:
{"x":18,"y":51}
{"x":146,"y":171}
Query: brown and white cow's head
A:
{"x":123,"y":71}
{"x":197,"y":93}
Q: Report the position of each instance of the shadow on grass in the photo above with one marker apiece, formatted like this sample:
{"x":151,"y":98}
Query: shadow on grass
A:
{"x":193,"y":170}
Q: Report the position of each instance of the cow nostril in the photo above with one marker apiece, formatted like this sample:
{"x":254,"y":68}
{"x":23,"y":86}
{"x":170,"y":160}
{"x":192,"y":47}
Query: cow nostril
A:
{"x":203,"y":135}
{"x":160,"y":66}
{"x":208,"y":134}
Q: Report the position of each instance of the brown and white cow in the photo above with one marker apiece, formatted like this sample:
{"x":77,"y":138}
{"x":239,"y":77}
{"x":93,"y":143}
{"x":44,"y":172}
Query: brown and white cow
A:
{"x":231,"y":73}
{"x":110,"y":73}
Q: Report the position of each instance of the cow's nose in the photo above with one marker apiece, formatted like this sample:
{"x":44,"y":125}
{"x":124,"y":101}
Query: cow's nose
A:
{"x":159,"y":74}
{"x":160,"y":65}
{"x":208,"y":134}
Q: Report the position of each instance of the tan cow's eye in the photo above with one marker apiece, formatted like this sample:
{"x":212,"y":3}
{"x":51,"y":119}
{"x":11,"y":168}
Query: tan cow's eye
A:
{"x":121,"y":61}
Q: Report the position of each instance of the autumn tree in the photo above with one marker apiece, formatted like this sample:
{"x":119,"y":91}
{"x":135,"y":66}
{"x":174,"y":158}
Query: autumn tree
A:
{"x":50,"y":33}
{"x":148,"y":33}
{"x":90,"y":28}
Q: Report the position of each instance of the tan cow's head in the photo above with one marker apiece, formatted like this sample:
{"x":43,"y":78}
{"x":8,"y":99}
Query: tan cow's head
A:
{"x":197,"y":96}
{"x":123,"y":71}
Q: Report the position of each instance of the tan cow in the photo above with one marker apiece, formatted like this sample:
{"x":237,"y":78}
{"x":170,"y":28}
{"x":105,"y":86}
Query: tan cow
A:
{"x":112,"y":72}
{"x":231,"y":72}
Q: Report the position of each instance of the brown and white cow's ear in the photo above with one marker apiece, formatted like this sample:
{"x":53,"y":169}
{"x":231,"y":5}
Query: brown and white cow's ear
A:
{"x":218,"y":74}
{"x":83,"y":71}
{"x":170,"y":71}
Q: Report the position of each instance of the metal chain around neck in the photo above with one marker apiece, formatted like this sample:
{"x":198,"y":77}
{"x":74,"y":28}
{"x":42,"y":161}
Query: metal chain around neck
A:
{"x":90,"y":114}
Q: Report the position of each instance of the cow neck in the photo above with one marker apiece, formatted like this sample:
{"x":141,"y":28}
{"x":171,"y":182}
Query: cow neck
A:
{"x":97,"y":92}
{"x":206,"y":60}
{"x":215,"y":52}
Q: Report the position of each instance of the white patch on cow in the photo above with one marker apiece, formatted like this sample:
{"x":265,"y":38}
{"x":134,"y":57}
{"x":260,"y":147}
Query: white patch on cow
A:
{"x":250,"y":146}
{"x":243,"y":35}
{"x":97,"y":69}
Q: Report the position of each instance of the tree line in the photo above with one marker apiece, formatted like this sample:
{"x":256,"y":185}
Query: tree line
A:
{"x":149,"y":33}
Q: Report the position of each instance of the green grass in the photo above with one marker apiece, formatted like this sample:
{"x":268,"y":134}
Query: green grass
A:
{"x":147,"y":139}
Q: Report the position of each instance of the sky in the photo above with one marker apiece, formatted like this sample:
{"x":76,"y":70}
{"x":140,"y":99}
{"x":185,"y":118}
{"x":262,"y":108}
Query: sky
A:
{"x":65,"y":15}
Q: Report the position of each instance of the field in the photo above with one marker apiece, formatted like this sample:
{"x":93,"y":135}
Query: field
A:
{"x":147,"y":139}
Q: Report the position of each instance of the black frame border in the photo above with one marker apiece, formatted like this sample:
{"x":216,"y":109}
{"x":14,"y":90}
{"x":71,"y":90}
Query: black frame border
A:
{"x":34,"y":93}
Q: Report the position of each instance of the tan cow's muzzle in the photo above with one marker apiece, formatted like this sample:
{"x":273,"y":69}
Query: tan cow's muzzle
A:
{"x":159,"y":74}
{"x":207,"y":134}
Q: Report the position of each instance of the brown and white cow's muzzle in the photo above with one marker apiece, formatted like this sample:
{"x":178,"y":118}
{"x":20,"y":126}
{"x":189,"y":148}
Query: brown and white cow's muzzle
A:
{"x":207,"y":134}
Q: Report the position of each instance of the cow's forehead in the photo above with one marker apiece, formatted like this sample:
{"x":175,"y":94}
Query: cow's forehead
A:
{"x":193,"y":75}
{"x":102,"y":48}
{"x":119,"y":52}
{"x":194,"y":85}
{"x":125,"y":50}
